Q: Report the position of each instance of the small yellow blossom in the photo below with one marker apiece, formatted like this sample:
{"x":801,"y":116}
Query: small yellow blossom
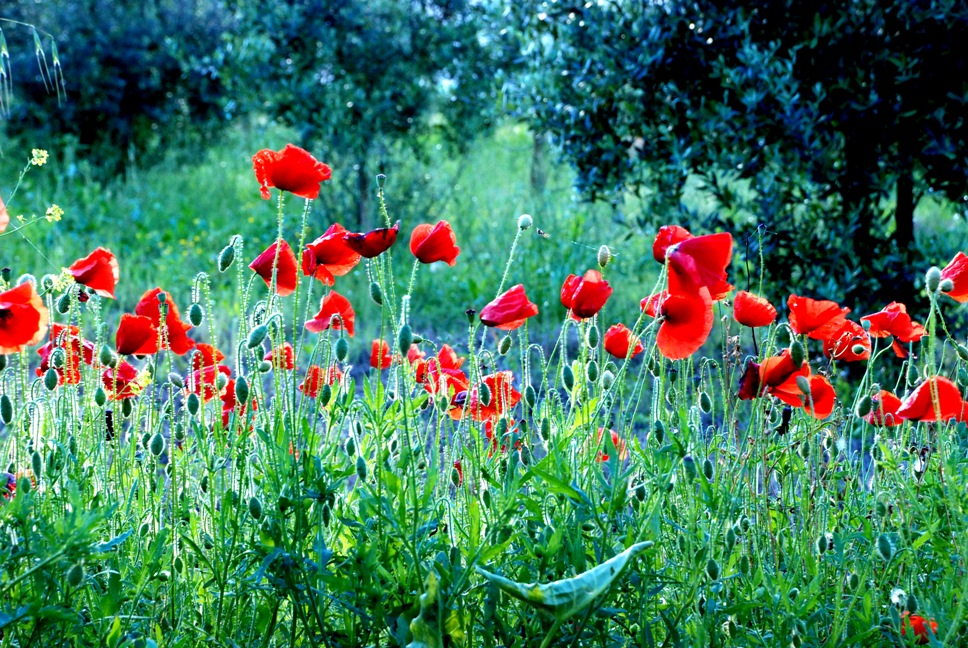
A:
{"x":38,"y":157}
{"x":53,"y":214}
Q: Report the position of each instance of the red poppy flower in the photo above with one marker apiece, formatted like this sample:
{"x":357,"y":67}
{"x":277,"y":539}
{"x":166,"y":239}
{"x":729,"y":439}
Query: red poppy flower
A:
{"x":415,"y":357}
{"x":76,"y":350}
{"x":448,"y":358}
{"x":494,"y":443}
{"x":334,"y":310}
{"x":204,"y":382}
{"x":292,"y":169}
{"x":509,"y":310}
{"x":329,"y":256}
{"x":893,"y":320}
{"x":284,"y":259}
{"x":957,"y":271}
{"x":687,"y":321}
{"x":668,"y":236}
{"x":504,"y":397}
{"x":177,"y":333}
{"x":373,"y":243}
{"x":617,"y":441}
{"x":651,"y":303}
{"x":447,"y":364}
{"x":282,"y":357}
{"x":789,"y":390}
{"x":817,"y":319}
{"x":585,"y":296}
{"x":920,"y":627}
{"x":778,"y":369}
{"x":206,"y":355}
{"x":380,"y":357}
{"x":699,"y":262}
{"x":884,"y":408}
{"x":316,"y":377}
{"x":752,"y":310}
{"x":431,"y":243}
{"x":98,"y":271}
{"x":136,"y":335}
{"x":229,"y":406}
{"x":936,"y":399}
{"x":447,"y":380}
{"x":121,"y":382}
{"x":23,"y":318}
{"x":840,"y":345}
{"x":820,"y":403}
{"x":619,"y":340}
{"x":749,"y":382}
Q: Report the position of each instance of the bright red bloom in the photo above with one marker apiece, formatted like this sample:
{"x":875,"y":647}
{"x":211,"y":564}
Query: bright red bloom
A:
{"x":373,"y":243}
{"x":494,"y":443}
{"x":451,"y":381}
{"x":448,"y":358}
{"x":316,"y":377}
{"x":23,"y":318}
{"x":136,"y":335}
{"x":651,"y":303}
{"x":778,"y":369}
{"x":687,"y":321}
{"x":380,"y":357}
{"x":329,"y":256}
{"x":504,"y":397}
{"x":447,"y":364}
{"x":292,"y":169}
{"x":957,"y":271}
{"x":204,"y":382}
{"x":585,"y":296}
{"x":431,"y":243}
{"x":789,"y":390}
{"x":286,"y":275}
{"x":509,"y":310}
{"x":817,"y":319}
{"x":820,"y":403}
{"x":617,"y":441}
{"x":177,"y":334}
{"x":76,"y":350}
{"x":229,"y":406}
{"x":415,"y":356}
{"x":893,"y":320}
{"x":122,"y":381}
{"x":206,"y":355}
{"x":936,"y":399}
{"x":334,"y":310}
{"x":699,"y":262}
{"x":920,"y":627}
{"x":840,"y":345}
{"x":619,"y":340}
{"x":752,"y":310}
{"x":282,"y":357}
{"x":98,"y":271}
{"x":884,"y":408}
{"x":668,"y":236}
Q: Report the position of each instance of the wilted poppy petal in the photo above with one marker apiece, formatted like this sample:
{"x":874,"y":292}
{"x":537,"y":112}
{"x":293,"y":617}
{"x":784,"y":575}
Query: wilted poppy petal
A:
{"x":509,"y":310}
{"x":292,"y":169}
{"x":884,"y":408}
{"x":280,"y":255}
{"x":815,"y":318}
{"x":668,"y":236}
{"x":957,"y":272}
{"x":334,"y":310}
{"x":687,"y":321}
{"x":619,"y":340}
{"x":749,"y":382}
{"x":137,"y":335}
{"x":936,"y":399}
{"x":98,"y":271}
{"x":431,"y":243}
{"x":752,"y":310}
{"x":23,"y":318}
{"x":373,"y":243}
{"x":586,"y":295}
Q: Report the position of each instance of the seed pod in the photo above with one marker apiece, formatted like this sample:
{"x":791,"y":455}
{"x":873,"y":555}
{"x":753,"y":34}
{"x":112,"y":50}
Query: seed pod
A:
{"x":712,"y":569}
{"x":376,"y":293}
{"x":193,"y":403}
{"x":404,"y":339}
{"x":361,"y":468}
{"x":195,"y":314}
{"x":525,"y":222}
{"x":864,"y":406}
{"x":242,"y":390}
{"x":6,"y":409}
{"x":705,"y":403}
{"x":256,"y":336}
{"x":106,"y":356}
{"x":853,"y":581}
{"x":911,"y":604}
{"x":255,"y":508}
{"x":350,"y":446}
{"x":100,"y":397}
{"x":545,"y":429}
{"x":591,"y":371}
{"x":226,"y":257}
{"x":63,"y":303}
{"x":822,"y":544}
{"x":75,"y":575}
{"x":37,"y":464}
{"x":264,"y":367}
{"x":484,"y":394}
{"x":568,"y":377}
{"x":593,"y":337}
{"x":157,"y":444}
{"x":659,"y":432}
{"x":689,"y":465}
{"x":342,"y":349}
{"x":932,"y":279}
{"x":708,"y":469}
{"x":325,"y":394}
{"x":604,"y":256}
{"x":885,"y":548}
{"x":504,"y":345}
{"x":730,"y":539}
{"x":797,"y":353}
{"x":858,"y":349}
{"x":530,"y":395}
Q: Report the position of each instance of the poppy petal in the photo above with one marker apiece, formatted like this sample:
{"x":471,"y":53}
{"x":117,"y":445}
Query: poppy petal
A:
{"x":668,"y":236}
{"x":292,"y":169}
{"x":816,"y":318}
{"x":98,"y":271}
{"x":509,"y":310}
{"x":23,"y":318}
{"x":957,"y":272}
{"x":280,"y":255}
{"x":430,"y":243}
{"x":373,"y":243}
{"x":137,"y":335}
{"x":619,"y":340}
{"x":687,"y":321}
{"x":936,"y":399}
{"x":752,"y":310}
{"x":334,"y":310}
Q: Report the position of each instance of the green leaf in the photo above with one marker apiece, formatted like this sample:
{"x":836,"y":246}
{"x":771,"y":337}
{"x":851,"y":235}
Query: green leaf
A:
{"x":564,"y":598}
{"x":426,"y":627}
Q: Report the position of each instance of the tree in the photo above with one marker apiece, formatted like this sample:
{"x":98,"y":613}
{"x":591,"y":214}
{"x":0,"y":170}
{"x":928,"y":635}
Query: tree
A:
{"x":805,"y":118}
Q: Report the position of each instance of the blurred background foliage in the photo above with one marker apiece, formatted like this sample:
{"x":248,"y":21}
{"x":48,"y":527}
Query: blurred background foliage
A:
{"x":831,"y":137}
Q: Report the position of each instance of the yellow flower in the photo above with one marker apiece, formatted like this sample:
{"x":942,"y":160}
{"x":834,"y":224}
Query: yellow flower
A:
{"x":38,"y":157}
{"x":53,"y":214}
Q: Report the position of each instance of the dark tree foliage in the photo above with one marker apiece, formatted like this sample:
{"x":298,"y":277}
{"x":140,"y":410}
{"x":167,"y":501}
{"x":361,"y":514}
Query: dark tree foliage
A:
{"x":135,"y":74}
{"x":803,"y":118}
{"x":367,"y":78}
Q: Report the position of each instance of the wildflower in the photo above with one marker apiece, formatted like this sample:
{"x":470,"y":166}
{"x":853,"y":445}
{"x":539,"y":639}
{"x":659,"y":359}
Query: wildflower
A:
{"x":8,"y":485}
{"x":334,"y":311}
{"x":503,"y":397}
{"x":842,"y":344}
{"x":329,"y":256}
{"x":509,"y":310}
{"x":460,"y":473}
{"x":98,"y":271}
{"x":206,"y":355}
{"x":699,"y":262}
{"x":380,"y":357}
{"x":137,"y":335}
{"x":204,"y":382}
{"x":884,"y":410}
{"x":292,"y":169}
{"x":76,"y":350}
{"x":617,"y":441}
{"x":817,"y":319}
{"x":282,"y":357}
{"x":820,"y":401}
{"x":752,"y":310}
{"x":668,"y":236}
{"x":316,"y":377}
{"x":957,"y":273}
{"x":123,"y":381}
{"x":23,"y":318}
{"x":919,"y":625}
{"x":936,"y":399}
{"x":430,"y":243}
{"x":53,"y":214}
{"x":687,"y":321}
{"x":38,"y":157}
{"x":176,"y":337}
{"x":280,"y":255}
{"x":619,"y":340}
{"x":585,"y":296}
{"x":230,"y":404}
{"x":373,"y":243}
{"x":893,"y":320}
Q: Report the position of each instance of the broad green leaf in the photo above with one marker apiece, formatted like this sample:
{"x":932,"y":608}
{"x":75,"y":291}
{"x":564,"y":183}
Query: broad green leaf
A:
{"x":426,"y":627}
{"x":564,"y":598}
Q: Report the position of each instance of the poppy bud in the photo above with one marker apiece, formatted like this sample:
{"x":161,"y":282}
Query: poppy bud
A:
{"x":712,"y":569}
{"x":659,"y":431}
{"x":911,"y":604}
{"x":100,"y":397}
{"x":221,"y":381}
{"x":6,"y":409}
{"x":404,"y":339}
{"x":794,"y":593}
{"x":932,"y":279}
{"x":381,"y":180}
{"x":853,"y":581}
{"x":689,"y":465}
{"x":962,"y":351}
{"x":604,"y":256}
{"x":51,"y":379}
{"x":858,"y":349}
{"x":885,"y":548}
{"x":608,"y":379}
{"x":242,"y":390}
{"x":708,"y":470}
{"x":471,"y":315}
{"x":865,"y":324}
{"x":504,"y":345}
{"x":195,"y":314}
{"x":256,"y":336}
{"x":822,"y":544}
{"x":27,"y":278}
{"x":730,"y":538}
{"x":484,"y":394}
{"x":803,"y":384}
{"x":376,"y":293}
{"x":568,"y":377}
{"x":3,"y":362}
{"x":593,"y":336}
{"x":264,"y":367}
{"x":226,"y":257}
{"x":5,"y":275}
{"x":591,"y":371}
{"x":63,"y":303}
{"x":325,"y":394}
{"x":946,"y":285}
{"x":525,"y":222}
{"x":255,"y":508}
{"x":176,"y":380}
{"x":545,"y":429}
{"x":36,"y":464}
{"x":157,"y":444}
{"x":797,"y":353}
{"x":75,"y":575}
{"x":640,"y":492}
{"x":193,"y":403}
{"x":350,"y":446}
{"x":705,"y":403}
{"x":361,"y":468}
{"x":530,"y":395}
{"x":47,"y":283}
{"x":864,"y":406}
{"x":107,"y":357}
